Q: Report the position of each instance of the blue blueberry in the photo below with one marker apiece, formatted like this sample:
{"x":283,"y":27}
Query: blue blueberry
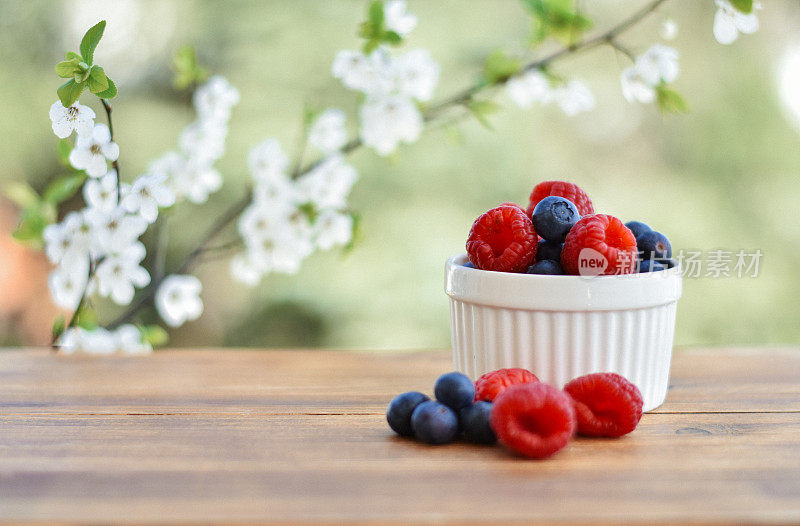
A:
{"x":434,"y":423}
{"x":653,"y":245}
{"x":469,"y":264}
{"x":454,"y":390}
{"x":638,"y":228}
{"x":546,"y":266}
{"x":474,"y":420}
{"x":553,"y":218}
{"x":398,"y":414}
{"x":669,"y":263}
{"x":648,"y":265}
{"x":547,"y":250}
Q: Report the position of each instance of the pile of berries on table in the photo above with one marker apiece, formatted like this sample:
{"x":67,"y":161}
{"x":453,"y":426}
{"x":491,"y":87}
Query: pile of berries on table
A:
{"x":549,"y":237}
{"x":530,"y":417}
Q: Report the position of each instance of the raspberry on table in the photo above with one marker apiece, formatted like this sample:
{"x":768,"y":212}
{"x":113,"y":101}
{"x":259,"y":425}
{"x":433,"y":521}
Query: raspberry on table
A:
{"x":490,"y":385}
{"x":606,"y":404}
{"x":535,"y":419}
{"x":502,"y":240}
{"x":607,"y":238}
{"x":562,"y":189}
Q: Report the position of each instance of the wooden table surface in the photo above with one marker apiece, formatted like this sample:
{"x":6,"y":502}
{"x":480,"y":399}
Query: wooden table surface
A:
{"x":300,"y":436}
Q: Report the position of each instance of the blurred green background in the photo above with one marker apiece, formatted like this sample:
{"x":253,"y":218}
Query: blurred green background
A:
{"x":725,"y":176}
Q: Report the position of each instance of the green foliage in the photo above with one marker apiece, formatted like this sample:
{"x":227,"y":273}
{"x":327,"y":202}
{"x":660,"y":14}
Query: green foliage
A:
{"x":556,"y":18}
{"x":481,"y":109}
{"x":669,"y":100}
{"x":90,"y":40}
{"x":499,"y":66}
{"x":309,"y":210}
{"x":20,"y":193}
{"x":374,"y":31}
{"x":63,"y":149}
{"x":59,"y":325}
{"x":358,"y":233}
{"x":63,"y":188}
{"x":86,"y":318}
{"x":155,"y":335}
{"x":188,"y":70}
{"x":35,"y":212}
{"x":743,"y":6}
{"x":82,"y":72}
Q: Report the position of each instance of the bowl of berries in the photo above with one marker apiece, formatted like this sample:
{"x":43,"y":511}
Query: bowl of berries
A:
{"x":561,"y":290}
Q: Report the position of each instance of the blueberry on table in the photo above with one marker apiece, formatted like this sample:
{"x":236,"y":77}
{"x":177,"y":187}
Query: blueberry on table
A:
{"x":638,"y":228}
{"x":547,"y":267}
{"x":648,"y":265}
{"x":474,"y":420}
{"x":454,"y":390}
{"x":398,"y":414}
{"x":553,"y":218}
{"x":653,"y":245}
{"x":548,"y":250}
{"x":434,"y":423}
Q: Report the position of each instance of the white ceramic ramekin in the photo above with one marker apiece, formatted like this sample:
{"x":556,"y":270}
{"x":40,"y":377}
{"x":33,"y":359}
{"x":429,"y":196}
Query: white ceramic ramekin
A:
{"x":560,"y":327}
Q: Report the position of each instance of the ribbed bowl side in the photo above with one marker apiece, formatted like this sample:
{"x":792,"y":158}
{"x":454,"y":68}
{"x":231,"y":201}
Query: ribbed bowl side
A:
{"x":559,"y":346}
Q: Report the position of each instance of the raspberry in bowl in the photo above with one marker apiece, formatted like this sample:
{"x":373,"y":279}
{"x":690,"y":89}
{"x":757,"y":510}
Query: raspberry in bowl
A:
{"x":607,"y":304}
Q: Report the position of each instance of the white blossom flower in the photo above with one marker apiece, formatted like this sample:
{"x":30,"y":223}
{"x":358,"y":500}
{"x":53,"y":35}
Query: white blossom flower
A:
{"x":669,"y":29}
{"x":397,"y":18}
{"x":260,"y":221}
{"x":68,"y":283}
{"x":328,"y":133}
{"x":69,"y":239}
{"x":284,"y":252}
{"x":658,"y":64}
{"x":634,"y":87}
{"x":387,"y":121}
{"x":204,"y":140}
{"x":267,"y":161}
{"x":372,"y":75}
{"x":115,"y":231}
{"x":91,"y":152}
{"x":417,"y":74}
{"x":69,"y":341}
{"x":280,"y":195}
{"x":215,"y":99}
{"x":98,"y":341}
{"x":244,"y":270}
{"x":729,"y":22}
{"x":529,"y":87}
{"x":118,"y":274}
{"x":128,"y":339}
{"x":147,"y":194}
{"x":574,"y":97}
{"x":178,"y":299}
{"x":332,"y":229}
{"x":77,"y":117}
{"x":328,"y":184}
{"x":102,"y":193}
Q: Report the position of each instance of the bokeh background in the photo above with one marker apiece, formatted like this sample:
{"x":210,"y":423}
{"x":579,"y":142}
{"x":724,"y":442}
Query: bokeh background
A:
{"x":727,"y":175}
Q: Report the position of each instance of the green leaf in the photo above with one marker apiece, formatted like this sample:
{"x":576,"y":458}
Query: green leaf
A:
{"x":155,"y":335}
{"x":743,"y":6}
{"x":498,"y":67}
{"x":557,"y":18}
{"x":481,"y":109}
{"x":110,"y":92}
{"x":392,"y":38}
{"x":670,"y":101}
{"x":63,"y":188}
{"x":63,"y":149}
{"x":375,"y":14}
{"x":68,"y":68}
{"x":86,"y":318}
{"x":72,"y":55}
{"x":97,"y":82}
{"x":69,"y":92}
{"x":358,"y":233}
{"x":187,"y":69}
{"x":59,"y":325}
{"x":90,"y":41}
{"x":31,"y":226}
{"x":20,"y":193}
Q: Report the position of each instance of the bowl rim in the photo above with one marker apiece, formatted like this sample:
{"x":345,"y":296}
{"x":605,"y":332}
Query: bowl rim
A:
{"x":560,"y":293}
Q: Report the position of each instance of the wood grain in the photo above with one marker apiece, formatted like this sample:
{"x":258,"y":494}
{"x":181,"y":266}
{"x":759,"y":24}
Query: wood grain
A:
{"x":288,"y":437}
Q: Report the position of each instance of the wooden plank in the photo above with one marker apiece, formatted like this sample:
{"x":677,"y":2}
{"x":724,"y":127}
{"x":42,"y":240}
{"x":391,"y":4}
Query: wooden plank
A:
{"x":709,"y":468}
{"x":331,"y":382}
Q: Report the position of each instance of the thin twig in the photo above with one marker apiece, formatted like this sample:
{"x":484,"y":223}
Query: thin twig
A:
{"x":458,"y":99}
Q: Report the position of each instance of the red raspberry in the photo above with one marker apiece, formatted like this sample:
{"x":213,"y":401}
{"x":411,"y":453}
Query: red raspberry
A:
{"x":606,"y":404}
{"x":503,"y":240}
{"x":534,"y":419}
{"x":490,"y":385}
{"x":608,"y":238}
{"x":562,"y":189}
